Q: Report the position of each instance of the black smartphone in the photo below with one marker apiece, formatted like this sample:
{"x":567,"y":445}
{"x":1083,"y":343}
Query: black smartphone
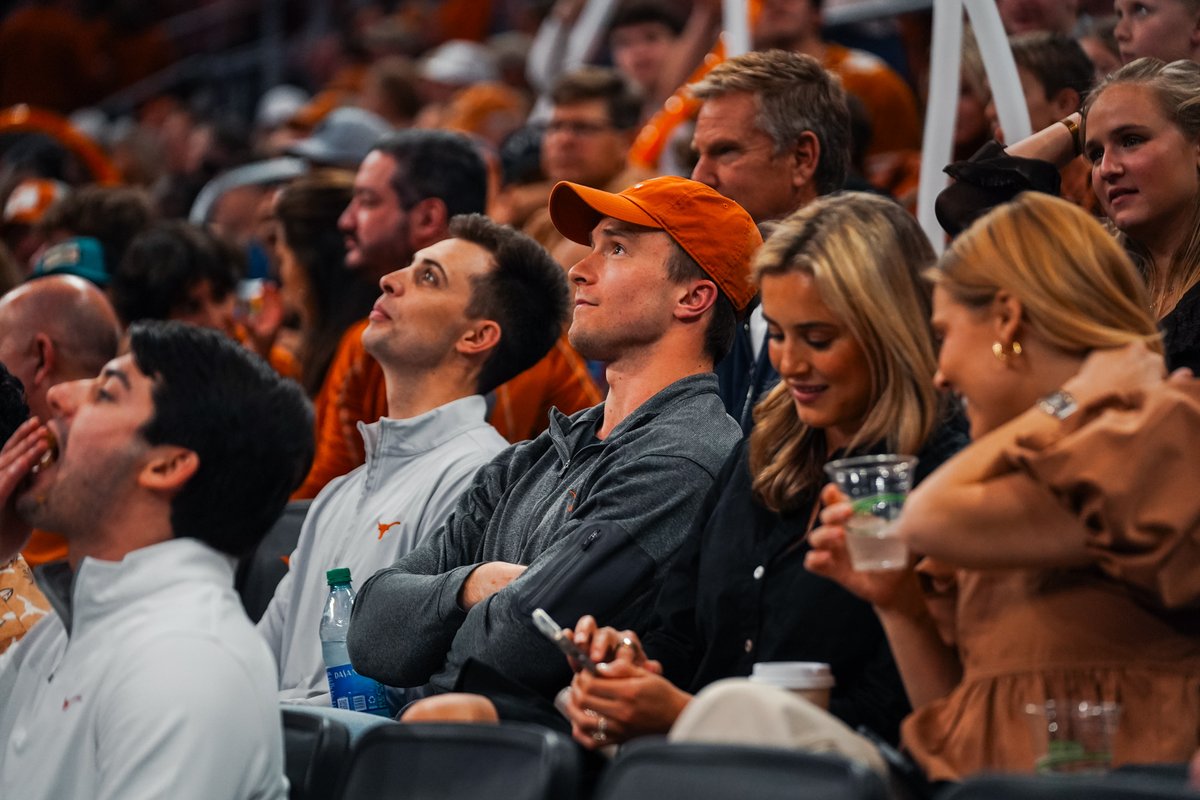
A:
{"x":554,"y":632}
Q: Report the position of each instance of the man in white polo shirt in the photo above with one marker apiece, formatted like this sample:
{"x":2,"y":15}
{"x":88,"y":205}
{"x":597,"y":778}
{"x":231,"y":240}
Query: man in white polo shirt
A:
{"x":148,"y":680}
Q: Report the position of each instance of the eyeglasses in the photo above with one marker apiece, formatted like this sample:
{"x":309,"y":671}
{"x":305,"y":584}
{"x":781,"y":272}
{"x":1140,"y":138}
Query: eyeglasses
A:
{"x":576,"y":127}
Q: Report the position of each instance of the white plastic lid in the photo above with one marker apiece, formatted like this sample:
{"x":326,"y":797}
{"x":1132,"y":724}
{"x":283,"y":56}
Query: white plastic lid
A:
{"x":793,"y":674}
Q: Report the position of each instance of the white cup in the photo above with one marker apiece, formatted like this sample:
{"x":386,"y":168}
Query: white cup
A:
{"x":811,"y":680}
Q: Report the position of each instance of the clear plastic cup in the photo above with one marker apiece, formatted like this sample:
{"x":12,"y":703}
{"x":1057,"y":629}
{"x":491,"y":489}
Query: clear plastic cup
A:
{"x":1073,"y":737}
{"x":876,"y":487}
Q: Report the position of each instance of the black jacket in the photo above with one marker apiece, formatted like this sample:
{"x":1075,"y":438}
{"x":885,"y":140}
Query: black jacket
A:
{"x":738,"y":593}
{"x":742,"y":378}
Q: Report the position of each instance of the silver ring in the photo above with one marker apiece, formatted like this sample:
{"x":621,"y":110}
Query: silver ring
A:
{"x":600,"y":735}
{"x":630,"y":643}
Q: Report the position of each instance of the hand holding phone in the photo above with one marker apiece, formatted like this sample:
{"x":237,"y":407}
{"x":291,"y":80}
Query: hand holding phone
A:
{"x":554,"y":632}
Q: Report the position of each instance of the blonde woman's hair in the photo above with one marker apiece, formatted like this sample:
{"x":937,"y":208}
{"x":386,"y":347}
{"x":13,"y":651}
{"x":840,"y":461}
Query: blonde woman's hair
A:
{"x":865,"y":255}
{"x":1176,"y":88}
{"x":1078,"y":288}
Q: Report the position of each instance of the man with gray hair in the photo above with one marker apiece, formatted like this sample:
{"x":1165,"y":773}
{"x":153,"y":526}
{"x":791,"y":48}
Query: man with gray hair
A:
{"x":773,"y":134}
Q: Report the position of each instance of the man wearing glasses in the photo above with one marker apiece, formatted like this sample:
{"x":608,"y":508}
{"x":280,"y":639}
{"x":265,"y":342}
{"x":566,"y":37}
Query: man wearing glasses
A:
{"x":592,"y":125}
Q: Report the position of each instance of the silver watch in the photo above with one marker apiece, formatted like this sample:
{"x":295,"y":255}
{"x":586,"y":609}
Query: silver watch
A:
{"x":1058,"y":404}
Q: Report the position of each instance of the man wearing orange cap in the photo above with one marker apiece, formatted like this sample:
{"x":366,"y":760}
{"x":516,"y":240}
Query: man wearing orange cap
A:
{"x":586,"y":515}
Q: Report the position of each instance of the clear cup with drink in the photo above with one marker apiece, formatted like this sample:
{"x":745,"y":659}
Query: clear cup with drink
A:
{"x":876,"y":487}
{"x":1074,"y":736}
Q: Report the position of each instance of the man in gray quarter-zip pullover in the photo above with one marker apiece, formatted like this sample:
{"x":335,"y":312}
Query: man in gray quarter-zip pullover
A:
{"x":584,"y":517}
{"x":469,"y":313}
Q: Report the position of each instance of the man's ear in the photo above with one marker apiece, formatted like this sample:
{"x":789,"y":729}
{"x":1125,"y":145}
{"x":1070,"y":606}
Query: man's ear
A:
{"x":698,"y":296}
{"x":168,"y":468}
{"x":427,"y":222}
{"x":1065,"y":102}
{"x":45,"y":356}
{"x":482,"y":336}
{"x":806,"y":156}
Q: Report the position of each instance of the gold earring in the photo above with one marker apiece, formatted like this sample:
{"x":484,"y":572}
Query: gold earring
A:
{"x":1001,"y":356}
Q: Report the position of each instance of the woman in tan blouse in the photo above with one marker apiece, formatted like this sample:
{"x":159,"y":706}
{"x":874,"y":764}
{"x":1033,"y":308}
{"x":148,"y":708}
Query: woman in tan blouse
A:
{"x":1063,"y":546}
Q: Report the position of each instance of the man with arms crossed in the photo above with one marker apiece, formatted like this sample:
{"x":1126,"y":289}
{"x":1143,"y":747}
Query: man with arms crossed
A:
{"x":469,"y":313}
{"x":587,"y":514}
{"x":149,"y":681}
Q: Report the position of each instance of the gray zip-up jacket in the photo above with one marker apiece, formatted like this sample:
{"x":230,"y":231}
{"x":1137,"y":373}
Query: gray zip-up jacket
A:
{"x":595,"y":521}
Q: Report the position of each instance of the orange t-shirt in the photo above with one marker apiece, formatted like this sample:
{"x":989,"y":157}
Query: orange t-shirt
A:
{"x":44,"y":547}
{"x":890,"y":103}
{"x":354,"y":391}
{"x":280,"y":358}
{"x":284,"y":363}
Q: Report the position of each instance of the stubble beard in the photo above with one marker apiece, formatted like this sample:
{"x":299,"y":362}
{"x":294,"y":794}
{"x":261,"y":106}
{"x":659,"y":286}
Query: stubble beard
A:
{"x":71,"y":505}
{"x":398,"y":350}
{"x":31,"y":508}
{"x":589,"y":345}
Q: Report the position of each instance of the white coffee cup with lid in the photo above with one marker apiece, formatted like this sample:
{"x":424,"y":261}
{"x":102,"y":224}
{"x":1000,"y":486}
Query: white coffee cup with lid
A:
{"x":811,"y":680}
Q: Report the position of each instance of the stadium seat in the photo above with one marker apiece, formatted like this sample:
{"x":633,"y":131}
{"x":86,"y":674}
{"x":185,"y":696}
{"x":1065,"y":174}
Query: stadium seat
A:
{"x":1114,"y":786}
{"x":662,"y":771}
{"x":315,"y":751}
{"x":260,"y":572}
{"x":1177,"y":773}
{"x":452,"y":761}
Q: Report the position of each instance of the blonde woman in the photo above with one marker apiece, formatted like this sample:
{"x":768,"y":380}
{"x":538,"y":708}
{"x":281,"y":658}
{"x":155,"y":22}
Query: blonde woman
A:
{"x":1142,"y":135}
{"x":1140,"y":130}
{"x":846,"y":308}
{"x":1068,"y":528}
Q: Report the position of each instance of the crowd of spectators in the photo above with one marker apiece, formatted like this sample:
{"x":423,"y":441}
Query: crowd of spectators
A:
{"x":548,"y":305}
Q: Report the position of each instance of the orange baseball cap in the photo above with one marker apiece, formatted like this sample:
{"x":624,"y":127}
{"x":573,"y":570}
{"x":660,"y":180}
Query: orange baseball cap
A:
{"x":715,"y":231}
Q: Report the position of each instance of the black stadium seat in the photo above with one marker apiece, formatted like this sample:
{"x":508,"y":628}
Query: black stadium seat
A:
{"x":451,"y":761}
{"x":315,"y":752}
{"x":260,"y":572}
{"x":1115,"y":786}
{"x":663,"y":771}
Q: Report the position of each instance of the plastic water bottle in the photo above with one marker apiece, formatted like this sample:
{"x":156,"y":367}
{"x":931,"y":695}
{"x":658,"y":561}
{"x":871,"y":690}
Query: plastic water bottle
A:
{"x":347,"y":689}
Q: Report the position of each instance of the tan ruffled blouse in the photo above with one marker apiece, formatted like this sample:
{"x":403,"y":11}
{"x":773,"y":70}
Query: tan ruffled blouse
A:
{"x":1126,"y":629}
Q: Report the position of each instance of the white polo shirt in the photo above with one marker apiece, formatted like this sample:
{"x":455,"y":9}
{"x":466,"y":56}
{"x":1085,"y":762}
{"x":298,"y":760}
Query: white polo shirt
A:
{"x":162,"y":688}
